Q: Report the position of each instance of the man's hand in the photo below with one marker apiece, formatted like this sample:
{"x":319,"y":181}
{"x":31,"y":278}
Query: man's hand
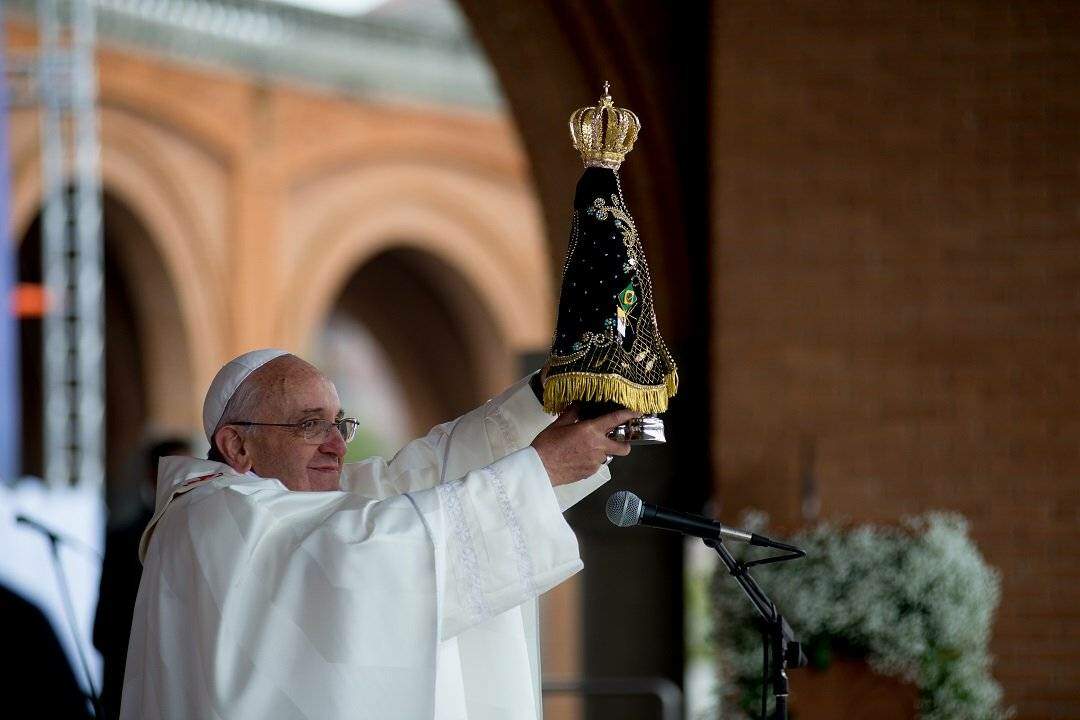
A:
{"x":572,"y":450}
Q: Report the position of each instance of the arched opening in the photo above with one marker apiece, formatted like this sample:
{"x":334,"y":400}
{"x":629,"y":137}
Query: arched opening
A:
{"x":409,"y":344}
{"x":141,"y":322}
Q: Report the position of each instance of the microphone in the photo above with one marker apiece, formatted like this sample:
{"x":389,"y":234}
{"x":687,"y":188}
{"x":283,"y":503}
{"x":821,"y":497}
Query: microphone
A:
{"x":65,"y":595}
{"x":58,"y":538}
{"x":624,"y":509}
{"x":46,"y":531}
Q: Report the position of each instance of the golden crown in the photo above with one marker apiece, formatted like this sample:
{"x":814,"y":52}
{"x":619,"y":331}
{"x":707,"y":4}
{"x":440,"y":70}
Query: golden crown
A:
{"x":603,"y":133}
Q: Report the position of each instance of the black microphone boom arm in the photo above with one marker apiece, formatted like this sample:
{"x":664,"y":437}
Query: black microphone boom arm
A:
{"x":781,"y":649}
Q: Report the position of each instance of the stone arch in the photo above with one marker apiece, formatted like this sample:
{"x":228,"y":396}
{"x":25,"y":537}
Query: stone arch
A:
{"x":171,"y":253}
{"x":165,"y":338}
{"x":141,"y":319}
{"x":485,"y":234}
{"x":437,"y":334}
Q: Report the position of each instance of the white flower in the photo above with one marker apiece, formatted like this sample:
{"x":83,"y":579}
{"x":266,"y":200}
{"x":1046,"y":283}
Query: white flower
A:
{"x":917,"y":601}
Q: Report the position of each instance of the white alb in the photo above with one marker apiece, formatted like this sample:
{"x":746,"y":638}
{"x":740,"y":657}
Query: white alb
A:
{"x":409,"y":594}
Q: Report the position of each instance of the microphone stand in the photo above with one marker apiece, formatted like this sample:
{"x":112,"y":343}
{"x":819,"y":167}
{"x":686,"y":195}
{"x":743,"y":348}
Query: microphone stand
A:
{"x":55,"y":539}
{"x":780,"y":648}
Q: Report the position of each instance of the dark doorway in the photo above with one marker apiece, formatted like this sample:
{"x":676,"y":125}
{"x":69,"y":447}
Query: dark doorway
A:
{"x":125,"y":396}
{"x":433,"y":328}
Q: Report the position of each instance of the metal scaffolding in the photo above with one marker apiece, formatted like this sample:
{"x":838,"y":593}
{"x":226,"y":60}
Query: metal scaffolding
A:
{"x":59,"y":78}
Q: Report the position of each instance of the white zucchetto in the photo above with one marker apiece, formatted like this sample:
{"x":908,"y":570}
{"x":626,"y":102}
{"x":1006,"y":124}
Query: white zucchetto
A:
{"x":228,"y":380}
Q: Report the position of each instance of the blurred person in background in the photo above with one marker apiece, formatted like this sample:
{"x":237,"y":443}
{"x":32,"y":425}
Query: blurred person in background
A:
{"x":39,"y":678}
{"x":279,"y":582}
{"x":120,"y":574}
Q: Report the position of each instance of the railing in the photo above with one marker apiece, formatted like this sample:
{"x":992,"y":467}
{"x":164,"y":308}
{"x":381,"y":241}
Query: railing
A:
{"x":668,"y":695}
{"x":354,"y":55}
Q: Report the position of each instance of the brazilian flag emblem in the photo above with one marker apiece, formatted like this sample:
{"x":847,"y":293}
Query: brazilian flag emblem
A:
{"x":627,"y":298}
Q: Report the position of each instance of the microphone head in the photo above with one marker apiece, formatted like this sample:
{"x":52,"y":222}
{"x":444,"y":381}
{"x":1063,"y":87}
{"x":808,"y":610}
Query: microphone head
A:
{"x":624,"y":508}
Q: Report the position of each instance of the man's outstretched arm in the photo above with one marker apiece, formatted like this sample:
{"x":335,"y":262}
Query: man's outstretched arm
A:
{"x":502,"y":425}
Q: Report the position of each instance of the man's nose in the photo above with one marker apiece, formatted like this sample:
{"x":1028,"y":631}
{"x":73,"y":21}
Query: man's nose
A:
{"x":334,"y":444}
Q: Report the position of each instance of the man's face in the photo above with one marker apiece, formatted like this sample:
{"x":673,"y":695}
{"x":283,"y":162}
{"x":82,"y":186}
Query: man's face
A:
{"x":297,"y":394}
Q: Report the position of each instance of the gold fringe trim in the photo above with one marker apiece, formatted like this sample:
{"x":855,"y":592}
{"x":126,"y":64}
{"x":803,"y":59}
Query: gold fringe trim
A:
{"x":564,"y":388}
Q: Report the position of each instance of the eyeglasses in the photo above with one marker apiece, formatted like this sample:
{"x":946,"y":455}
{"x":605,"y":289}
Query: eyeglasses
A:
{"x":314,"y":430}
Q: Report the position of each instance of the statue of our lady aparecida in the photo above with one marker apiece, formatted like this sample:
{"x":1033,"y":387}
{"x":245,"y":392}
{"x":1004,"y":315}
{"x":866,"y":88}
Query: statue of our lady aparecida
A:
{"x":607,"y":351}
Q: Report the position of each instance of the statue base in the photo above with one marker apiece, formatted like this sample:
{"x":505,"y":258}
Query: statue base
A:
{"x":645,"y":430}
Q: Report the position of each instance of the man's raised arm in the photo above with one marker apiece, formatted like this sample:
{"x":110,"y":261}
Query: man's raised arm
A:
{"x":502,"y":425}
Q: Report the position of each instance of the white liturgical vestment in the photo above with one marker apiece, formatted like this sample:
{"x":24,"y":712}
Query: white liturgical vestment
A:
{"x":409,"y":594}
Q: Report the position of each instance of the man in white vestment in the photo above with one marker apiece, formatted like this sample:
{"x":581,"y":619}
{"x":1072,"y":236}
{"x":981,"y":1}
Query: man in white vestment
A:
{"x":280,"y":583}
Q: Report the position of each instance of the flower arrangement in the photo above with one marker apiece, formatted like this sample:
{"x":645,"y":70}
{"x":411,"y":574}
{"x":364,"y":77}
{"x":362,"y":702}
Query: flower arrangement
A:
{"x":916,"y":601}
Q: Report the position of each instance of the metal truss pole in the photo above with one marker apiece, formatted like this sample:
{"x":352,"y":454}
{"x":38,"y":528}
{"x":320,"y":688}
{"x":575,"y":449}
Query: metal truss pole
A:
{"x":71,"y":255}
{"x":89,"y":266}
{"x":58,"y":420}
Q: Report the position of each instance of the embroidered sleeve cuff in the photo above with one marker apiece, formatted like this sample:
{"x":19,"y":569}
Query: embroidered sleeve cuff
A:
{"x":521,"y":414}
{"x":509,"y":540}
{"x":571,"y":494}
{"x":530,"y":526}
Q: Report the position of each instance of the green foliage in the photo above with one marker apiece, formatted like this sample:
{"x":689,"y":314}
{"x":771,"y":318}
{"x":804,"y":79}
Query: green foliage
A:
{"x":916,"y":601}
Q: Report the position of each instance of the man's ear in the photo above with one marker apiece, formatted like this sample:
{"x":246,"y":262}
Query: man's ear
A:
{"x":230,"y":442}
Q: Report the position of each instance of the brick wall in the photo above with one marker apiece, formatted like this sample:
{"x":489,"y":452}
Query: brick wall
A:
{"x":896,"y":218}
